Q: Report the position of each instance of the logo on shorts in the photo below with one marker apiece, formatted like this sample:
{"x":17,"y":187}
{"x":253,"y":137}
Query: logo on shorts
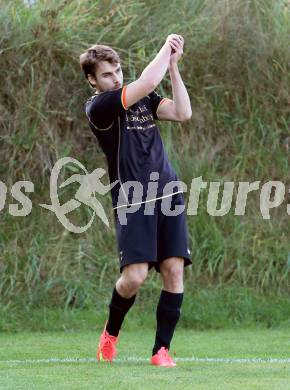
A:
{"x":121,"y":256}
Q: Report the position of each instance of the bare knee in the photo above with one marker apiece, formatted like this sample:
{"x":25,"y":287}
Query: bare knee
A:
{"x":171,"y":270}
{"x":133,"y":276}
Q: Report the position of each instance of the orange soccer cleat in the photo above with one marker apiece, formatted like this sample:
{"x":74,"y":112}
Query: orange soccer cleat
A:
{"x":162,"y":358}
{"x":107,"y":346}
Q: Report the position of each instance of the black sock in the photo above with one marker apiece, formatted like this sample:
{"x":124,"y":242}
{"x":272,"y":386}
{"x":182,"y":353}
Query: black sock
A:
{"x":119,"y":307}
{"x":167,"y":315}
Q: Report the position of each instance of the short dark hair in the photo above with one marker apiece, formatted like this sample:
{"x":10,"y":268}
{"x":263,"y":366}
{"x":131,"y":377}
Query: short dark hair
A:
{"x":91,"y":57}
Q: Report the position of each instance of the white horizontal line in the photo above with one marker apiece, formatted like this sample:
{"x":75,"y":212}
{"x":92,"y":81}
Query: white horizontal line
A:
{"x":138,"y":359}
{"x":149,"y":200}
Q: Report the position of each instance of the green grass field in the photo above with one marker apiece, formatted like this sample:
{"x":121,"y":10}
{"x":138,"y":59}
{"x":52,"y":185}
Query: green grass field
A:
{"x":231,"y":359}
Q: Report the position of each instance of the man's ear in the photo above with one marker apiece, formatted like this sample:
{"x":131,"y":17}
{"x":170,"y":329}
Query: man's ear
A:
{"x":92,"y":80}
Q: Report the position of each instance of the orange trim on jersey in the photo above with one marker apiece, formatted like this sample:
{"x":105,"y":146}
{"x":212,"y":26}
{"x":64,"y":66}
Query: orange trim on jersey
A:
{"x":161,"y":101}
{"x":123,"y":98}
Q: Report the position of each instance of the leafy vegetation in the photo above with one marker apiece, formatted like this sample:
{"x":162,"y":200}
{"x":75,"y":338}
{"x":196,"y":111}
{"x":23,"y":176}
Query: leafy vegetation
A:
{"x":236,"y":67}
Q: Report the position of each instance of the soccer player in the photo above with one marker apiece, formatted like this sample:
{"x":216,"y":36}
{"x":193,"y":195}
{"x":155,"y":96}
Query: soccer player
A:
{"x":122,"y":117}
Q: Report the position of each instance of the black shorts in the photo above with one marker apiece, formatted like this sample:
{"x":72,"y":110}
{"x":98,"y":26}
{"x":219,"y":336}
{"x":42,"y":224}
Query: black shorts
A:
{"x":153,"y":238}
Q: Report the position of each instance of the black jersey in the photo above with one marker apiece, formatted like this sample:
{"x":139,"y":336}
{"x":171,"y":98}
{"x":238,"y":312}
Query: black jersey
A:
{"x":131,"y":142}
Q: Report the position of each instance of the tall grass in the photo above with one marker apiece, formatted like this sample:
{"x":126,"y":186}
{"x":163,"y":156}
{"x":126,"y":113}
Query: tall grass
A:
{"x":236,"y":68}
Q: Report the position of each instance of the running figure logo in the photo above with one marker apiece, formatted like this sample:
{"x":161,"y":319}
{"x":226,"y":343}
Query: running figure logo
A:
{"x":89,"y":185}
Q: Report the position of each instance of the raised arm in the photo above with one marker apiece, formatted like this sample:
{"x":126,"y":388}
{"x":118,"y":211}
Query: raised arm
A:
{"x":178,"y":109}
{"x":152,"y":74}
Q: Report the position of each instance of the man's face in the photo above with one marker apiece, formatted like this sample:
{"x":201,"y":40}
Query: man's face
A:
{"x":108,"y":76}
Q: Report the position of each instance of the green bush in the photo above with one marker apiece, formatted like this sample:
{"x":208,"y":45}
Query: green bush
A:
{"x":236,"y":68}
